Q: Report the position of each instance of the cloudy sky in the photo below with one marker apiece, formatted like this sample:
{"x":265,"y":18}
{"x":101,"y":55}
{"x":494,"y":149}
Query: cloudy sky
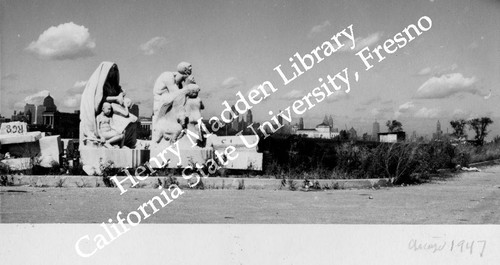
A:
{"x":450,"y":71}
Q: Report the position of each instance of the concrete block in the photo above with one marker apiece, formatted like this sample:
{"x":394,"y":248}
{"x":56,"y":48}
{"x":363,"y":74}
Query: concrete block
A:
{"x":221,"y":142}
{"x":15,"y":164}
{"x":122,"y":158}
{"x":50,"y":150}
{"x":29,"y":137}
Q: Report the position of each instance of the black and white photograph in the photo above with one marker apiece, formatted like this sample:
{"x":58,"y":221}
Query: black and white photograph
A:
{"x":249,"y":132}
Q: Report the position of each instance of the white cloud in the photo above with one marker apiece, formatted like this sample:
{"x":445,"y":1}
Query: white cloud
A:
{"x":372,"y":100}
{"x":80,"y":84}
{"x":381,"y":113}
{"x":293,"y":94}
{"x":72,"y":101}
{"x":361,"y":42}
{"x":318,"y":28}
{"x":36,"y":99}
{"x":231,"y":83}
{"x":154,"y":45}
{"x":404,"y":108}
{"x":10,"y":77}
{"x":447,"y":85}
{"x":461,"y":114}
{"x":337,"y":95}
{"x":77,"y":87}
{"x":424,"y":71}
{"x":427,"y":113}
{"x":66,"y":41}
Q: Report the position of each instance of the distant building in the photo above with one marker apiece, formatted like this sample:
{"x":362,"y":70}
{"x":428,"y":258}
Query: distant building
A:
{"x":249,"y":117}
{"x":353,"y":135}
{"x":30,"y":110}
{"x":61,"y":123}
{"x":67,"y":125}
{"x":40,"y":109}
{"x":144,"y":128}
{"x":439,"y":133}
{"x":19,"y":116}
{"x":330,"y":121}
{"x":3,"y":119}
{"x":391,"y":137}
{"x":49,"y":105}
{"x":322,"y":130}
{"x":375,"y":131}
{"x":301,"y":123}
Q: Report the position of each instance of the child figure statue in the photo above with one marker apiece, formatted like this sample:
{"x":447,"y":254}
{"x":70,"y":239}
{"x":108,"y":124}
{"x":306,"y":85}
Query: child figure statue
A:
{"x":105,"y":129}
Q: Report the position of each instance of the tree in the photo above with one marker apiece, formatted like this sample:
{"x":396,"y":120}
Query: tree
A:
{"x":459,"y":128}
{"x":480,"y":125}
{"x":394,"y":126}
{"x":343,"y":135}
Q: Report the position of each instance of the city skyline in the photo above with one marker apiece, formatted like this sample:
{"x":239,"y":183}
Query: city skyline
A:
{"x":449,"y":72}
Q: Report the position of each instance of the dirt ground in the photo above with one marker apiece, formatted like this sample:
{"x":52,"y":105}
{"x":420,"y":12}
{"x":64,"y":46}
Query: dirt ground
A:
{"x":467,"y":198}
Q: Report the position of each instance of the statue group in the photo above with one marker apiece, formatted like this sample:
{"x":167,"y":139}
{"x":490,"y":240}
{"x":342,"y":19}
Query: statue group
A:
{"x":106,"y":121}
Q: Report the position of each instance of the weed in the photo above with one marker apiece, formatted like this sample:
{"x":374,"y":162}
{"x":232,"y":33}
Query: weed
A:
{"x":316,"y":185}
{"x":170,"y":180}
{"x":283,"y":183}
{"x":4,"y":181}
{"x":335,"y":186}
{"x":60,"y":182}
{"x":83,"y":185}
{"x":241,"y":184}
{"x":199,"y":186}
{"x":139,"y":185}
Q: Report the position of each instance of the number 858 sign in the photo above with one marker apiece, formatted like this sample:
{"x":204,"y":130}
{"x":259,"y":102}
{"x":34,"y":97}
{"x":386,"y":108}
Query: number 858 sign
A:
{"x":13,"y":128}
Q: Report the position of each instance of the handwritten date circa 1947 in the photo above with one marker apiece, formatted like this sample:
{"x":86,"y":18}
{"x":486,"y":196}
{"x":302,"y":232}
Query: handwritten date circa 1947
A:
{"x":457,"y":246}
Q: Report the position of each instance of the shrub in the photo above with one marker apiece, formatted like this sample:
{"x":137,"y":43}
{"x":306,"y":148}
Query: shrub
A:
{"x":5,"y":181}
{"x":241,"y":184}
{"x":60,"y":182}
{"x":107,"y":170}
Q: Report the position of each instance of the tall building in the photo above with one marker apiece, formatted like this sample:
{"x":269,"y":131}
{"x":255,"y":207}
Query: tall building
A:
{"x":49,"y":105}
{"x":375,"y":131}
{"x":40,"y":109}
{"x":330,"y":121}
{"x":60,"y":123}
{"x":301,"y":123}
{"x":353,"y":135}
{"x":30,"y":111}
{"x":325,"y":120}
{"x":249,"y":117}
{"x":438,"y":133}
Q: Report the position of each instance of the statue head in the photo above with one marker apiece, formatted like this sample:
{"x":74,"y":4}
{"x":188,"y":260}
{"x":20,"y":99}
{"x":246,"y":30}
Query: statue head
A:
{"x":194,"y":89}
{"x":106,"y":108}
{"x":190,"y":80}
{"x":184,"y":68}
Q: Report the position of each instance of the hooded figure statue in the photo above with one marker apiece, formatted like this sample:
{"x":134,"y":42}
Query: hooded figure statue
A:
{"x":103,"y":86}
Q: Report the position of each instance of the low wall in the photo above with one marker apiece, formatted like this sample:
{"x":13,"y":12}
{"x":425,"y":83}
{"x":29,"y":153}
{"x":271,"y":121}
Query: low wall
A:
{"x":209,"y":183}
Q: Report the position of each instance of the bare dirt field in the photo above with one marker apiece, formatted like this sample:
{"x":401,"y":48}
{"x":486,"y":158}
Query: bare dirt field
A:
{"x":466,"y":198}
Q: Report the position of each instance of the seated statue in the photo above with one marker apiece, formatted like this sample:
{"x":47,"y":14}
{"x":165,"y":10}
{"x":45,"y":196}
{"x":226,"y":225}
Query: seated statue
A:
{"x":103,"y":89}
{"x":105,"y":127}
